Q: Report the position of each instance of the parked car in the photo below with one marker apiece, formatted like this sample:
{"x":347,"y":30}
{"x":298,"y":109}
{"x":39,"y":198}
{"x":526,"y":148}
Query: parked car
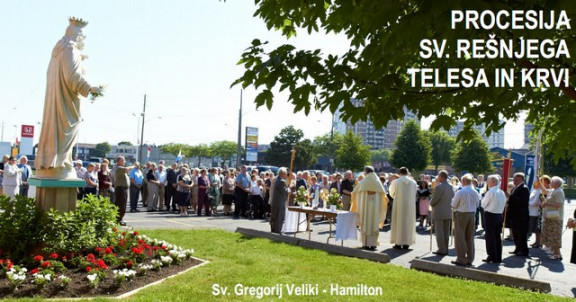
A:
{"x":274,"y":169}
{"x":314,"y":172}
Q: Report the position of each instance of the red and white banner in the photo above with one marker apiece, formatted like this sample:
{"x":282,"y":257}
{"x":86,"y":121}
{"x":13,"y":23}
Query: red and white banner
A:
{"x":27,"y":131}
{"x":26,"y":143}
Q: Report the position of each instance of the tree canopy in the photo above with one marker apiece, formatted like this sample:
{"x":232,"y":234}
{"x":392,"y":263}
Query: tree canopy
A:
{"x":442,"y":147}
{"x":412,"y":148}
{"x":384,"y":43}
{"x":224,"y":149}
{"x":380,"y":156}
{"x":472,"y":156}
{"x":100,"y":150}
{"x":288,"y":138}
{"x":352,"y":153}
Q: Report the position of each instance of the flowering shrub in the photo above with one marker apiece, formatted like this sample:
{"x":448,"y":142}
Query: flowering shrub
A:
{"x":132,"y":254}
{"x":124,"y":275}
{"x":143,"y":268}
{"x":91,"y":225}
{"x":156,"y":264}
{"x":95,"y":276}
{"x":5,"y":266}
{"x":166,"y":260}
{"x":41,"y":279}
{"x":21,"y":224}
{"x":16,"y":276}
{"x":64,"y":281}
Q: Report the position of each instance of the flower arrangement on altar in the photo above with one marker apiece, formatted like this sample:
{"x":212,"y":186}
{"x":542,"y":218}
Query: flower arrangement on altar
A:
{"x":334,"y":198}
{"x":301,"y":198}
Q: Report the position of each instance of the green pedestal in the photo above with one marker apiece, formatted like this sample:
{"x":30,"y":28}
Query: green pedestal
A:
{"x":58,"y":194}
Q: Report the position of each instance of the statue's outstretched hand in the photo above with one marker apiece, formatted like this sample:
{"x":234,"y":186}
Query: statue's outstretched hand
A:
{"x":95,"y":91}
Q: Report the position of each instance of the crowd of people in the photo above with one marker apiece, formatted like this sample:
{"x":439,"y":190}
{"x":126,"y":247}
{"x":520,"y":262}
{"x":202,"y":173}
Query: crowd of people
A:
{"x":446,"y":206}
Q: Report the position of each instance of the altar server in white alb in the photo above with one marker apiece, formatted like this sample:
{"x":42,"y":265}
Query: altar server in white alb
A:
{"x":369,"y":202}
{"x":403,"y":228}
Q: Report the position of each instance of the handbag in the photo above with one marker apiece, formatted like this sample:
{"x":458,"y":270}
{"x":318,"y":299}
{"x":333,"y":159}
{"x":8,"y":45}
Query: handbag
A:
{"x":553,"y":214}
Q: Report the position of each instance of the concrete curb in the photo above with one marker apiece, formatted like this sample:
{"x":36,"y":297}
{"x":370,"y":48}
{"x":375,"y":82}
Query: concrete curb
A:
{"x":330,"y":248}
{"x":479,"y":275}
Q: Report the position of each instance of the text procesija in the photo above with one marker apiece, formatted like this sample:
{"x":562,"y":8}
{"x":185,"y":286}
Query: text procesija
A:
{"x":515,"y":19}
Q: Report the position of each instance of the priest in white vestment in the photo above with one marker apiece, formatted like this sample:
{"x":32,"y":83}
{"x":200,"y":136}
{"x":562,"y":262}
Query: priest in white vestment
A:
{"x":61,"y":120}
{"x":369,"y":202}
{"x":403,"y":227}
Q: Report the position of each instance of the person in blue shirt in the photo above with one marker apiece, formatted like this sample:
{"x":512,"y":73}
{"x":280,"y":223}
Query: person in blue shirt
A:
{"x":136,"y":178}
{"x":26,"y":173}
{"x":241,"y":192}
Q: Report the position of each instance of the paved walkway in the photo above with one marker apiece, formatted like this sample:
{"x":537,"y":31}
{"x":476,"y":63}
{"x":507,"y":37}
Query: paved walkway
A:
{"x":560,"y":274}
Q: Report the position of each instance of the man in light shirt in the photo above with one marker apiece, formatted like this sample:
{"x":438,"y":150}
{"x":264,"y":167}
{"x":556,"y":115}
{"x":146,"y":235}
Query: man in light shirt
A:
{"x":464,"y":205}
{"x":493,"y":203}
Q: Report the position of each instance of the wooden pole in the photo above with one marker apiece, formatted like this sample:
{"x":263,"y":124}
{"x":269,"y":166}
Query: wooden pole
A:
{"x":293,"y":151}
{"x":452,"y":227}
{"x":292,"y":156}
{"x":431,"y":228}
{"x":506,"y":176}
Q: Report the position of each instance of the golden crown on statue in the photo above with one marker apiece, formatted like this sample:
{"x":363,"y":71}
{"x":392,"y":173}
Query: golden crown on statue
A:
{"x":78,"y":22}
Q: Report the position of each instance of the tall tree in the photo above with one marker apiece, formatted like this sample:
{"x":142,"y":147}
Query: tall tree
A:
{"x":200,"y":151}
{"x":352,"y":153}
{"x":174,"y":149}
{"x":101,"y":149}
{"x":288,"y":138}
{"x":224,"y":149}
{"x":561,"y":168}
{"x":412,"y":148}
{"x":442,"y":147}
{"x":327,"y":144}
{"x":305,"y":156}
{"x":385,"y":42}
{"x":279,"y":152}
{"x":125,"y":143}
{"x":472,"y":156}
{"x":380,"y":156}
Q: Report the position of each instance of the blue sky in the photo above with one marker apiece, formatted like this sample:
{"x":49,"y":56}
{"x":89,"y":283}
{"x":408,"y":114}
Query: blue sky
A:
{"x":181,"y":54}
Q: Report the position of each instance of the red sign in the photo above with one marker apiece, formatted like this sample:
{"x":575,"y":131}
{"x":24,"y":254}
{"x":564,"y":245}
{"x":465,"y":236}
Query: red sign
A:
{"x":27,"y":131}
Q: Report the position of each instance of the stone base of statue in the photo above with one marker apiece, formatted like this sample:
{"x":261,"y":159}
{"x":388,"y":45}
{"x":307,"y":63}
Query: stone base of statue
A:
{"x":58,"y":194}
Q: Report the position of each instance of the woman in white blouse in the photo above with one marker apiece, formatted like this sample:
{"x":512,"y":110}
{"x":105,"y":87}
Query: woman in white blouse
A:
{"x":12,"y":178}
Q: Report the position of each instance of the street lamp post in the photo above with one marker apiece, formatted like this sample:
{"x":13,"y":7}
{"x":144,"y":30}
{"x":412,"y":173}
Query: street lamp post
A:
{"x":239,"y":146}
{"x":142,"y":132}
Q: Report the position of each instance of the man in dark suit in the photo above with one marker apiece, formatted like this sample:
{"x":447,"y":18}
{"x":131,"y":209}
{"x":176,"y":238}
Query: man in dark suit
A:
{"x":301,"y":181}
{"x":278,"y":202}
{"x":171,"y":184}
{"x":518,"y":213}
{"x":442,"y":212}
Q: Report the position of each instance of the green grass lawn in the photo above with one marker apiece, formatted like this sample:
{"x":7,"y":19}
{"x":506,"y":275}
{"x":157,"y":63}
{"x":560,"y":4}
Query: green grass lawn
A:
{"x":235,"y":259}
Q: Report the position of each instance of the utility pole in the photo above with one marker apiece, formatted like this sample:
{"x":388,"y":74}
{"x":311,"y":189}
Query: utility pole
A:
{"x":142,"y":132}
{"x":1,"y":140}
{"x":239,"y":147}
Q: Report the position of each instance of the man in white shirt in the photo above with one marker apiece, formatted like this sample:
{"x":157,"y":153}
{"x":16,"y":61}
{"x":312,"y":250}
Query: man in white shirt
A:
{"x":464,"y":205}
{"x":493,"y":203}
{"x":161,"y":177}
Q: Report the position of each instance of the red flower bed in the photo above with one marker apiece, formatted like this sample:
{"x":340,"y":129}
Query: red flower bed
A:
{"x":134,"y":260}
